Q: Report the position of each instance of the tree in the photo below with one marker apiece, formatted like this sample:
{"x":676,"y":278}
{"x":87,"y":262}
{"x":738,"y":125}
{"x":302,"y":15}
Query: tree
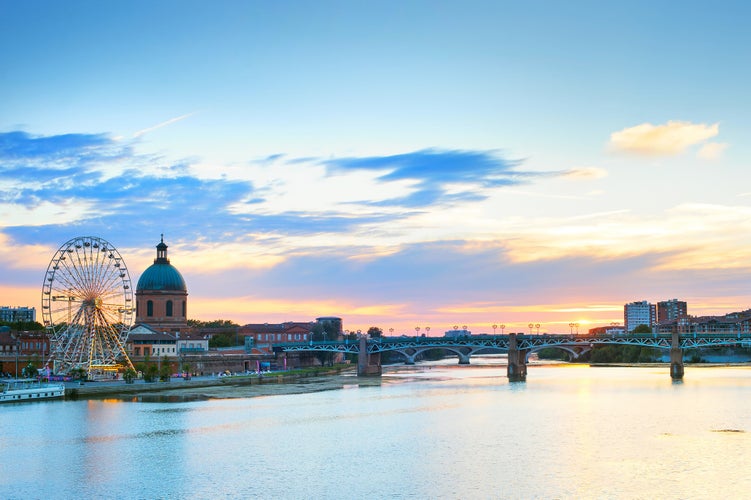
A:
{"x":165,"y":369}
{"x":375,"y":332}
{"x":221,"y":340}
{"x":217,"y":323}
{"x":129,"y":375}
{"x":23,"y":326}
{"x":30,"y":371}
{"x":151,"y":372}
{"x":78,"y":374}
{"x":642,"y":329}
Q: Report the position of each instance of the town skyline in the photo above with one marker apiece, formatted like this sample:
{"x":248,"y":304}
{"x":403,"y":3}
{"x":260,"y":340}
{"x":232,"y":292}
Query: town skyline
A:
{"x":396,"y":166}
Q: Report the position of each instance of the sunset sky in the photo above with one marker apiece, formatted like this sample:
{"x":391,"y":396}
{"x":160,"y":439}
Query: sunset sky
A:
{"x":397,"y":164}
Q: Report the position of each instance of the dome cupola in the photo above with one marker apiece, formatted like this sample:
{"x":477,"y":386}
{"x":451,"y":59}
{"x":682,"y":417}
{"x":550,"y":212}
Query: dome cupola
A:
{"x":161,"y":275}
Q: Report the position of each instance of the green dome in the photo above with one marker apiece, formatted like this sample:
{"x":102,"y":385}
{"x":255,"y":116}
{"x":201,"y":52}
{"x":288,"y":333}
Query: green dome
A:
{"x":161,"y":275}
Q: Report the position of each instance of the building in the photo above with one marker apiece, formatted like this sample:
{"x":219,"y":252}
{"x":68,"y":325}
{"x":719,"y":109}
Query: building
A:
{"x":670,"y":310}
{"x":144,"y":342}
{"x":728,"y":324}
{"x":17,"y":314}
{"x":162,"y":296}
{"x":332,"y":324}
{"x":457,"y":333}
{"x":17,"y":349}
{"x":639,"y":313}
{"x":260,"y":338}
{"x":607,"y":330}
{"x":192,"y":343}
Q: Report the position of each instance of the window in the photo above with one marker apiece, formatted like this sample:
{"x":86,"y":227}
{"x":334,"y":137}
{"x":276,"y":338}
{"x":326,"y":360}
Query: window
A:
{"x":150,"y":308}
{"x":169,"y":308}
{"x":184,"y":311}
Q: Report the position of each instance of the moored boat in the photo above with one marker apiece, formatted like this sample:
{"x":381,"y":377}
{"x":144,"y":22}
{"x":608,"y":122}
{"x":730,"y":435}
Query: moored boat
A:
{"x":30,"y":390}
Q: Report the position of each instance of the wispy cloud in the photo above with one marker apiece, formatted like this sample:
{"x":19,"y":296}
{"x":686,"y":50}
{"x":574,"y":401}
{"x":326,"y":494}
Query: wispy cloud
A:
{"x":712,"y":151}
{"x":440,"y":176}
{"x":586,"y":173}
{"x":669,"y":139}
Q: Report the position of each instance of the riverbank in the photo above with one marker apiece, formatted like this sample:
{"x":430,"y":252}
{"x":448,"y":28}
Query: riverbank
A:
{"x":213,"y":386}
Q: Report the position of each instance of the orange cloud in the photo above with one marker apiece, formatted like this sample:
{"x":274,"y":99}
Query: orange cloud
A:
{"x":669,"y":139}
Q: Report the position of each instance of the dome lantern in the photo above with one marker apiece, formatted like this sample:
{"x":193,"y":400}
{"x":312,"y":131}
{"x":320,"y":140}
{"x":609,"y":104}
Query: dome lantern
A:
{"x":161,"y":275}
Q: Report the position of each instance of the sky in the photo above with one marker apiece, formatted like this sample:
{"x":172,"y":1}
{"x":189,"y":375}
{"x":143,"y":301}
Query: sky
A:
{"x":397,"y":164}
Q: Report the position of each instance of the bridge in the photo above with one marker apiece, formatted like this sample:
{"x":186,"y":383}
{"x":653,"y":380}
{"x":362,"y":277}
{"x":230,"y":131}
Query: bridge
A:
{"x":518,"y":347}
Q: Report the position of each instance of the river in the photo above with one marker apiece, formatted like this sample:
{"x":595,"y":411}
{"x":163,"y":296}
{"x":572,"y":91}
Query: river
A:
{"x":438,"y":431}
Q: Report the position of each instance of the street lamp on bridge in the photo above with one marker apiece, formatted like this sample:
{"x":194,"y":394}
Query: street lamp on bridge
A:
{"x":531,"y":325}
{"x":494,"y":327}
{"x":417,"y":331}
{"x":503,"y":327}
{"x":427,"y":331}
{"x":537,"y":326}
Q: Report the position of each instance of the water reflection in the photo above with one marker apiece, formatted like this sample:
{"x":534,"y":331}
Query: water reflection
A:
{"x":447,"y":431}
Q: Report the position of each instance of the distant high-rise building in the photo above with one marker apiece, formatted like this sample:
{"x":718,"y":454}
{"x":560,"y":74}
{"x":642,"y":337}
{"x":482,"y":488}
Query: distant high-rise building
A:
{"x":671,"y":310}
{"x":639,"y":313}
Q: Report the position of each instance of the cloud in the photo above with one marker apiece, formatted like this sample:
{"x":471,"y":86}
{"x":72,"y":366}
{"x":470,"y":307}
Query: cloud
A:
{"x":586,"y":173}
{"x":54,"y":187}
{"x":712,"y":150}
{"x":21,"y":145}
{"x":669,"y":139}
{"x":435,"y":172}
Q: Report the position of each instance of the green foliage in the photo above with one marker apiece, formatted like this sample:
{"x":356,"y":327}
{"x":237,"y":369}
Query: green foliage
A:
{"x":129,"y":375}
{"x":623,"y":354}
{"x":375,"y":332}
{"x":78,"y":374}
{"x":30,"y":371}
{"x":217,"y":323}
{"x":642,"y":329}
{"x":222,"y":340}
{"x":165,"y":369}
{"x":552,"y":353}
{"x":150,"y":372}
{"x":434,"y":354}
{"x":23,"y":326}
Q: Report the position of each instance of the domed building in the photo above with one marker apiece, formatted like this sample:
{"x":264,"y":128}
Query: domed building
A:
{"x":161,"y":295}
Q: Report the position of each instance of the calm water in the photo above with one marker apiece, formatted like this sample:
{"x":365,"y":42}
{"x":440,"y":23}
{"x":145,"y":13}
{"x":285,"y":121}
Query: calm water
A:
{"x":443,"y":432}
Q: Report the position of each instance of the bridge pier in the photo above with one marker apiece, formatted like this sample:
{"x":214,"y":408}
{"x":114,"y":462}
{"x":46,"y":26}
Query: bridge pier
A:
{"x":517,"y":361}
{"x":676,"y":358}
{"x":463,"y":359}
{"x":368,"y":365}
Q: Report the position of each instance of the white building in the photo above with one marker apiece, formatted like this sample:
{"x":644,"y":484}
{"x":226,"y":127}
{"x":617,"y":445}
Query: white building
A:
{"x":639,"y":313}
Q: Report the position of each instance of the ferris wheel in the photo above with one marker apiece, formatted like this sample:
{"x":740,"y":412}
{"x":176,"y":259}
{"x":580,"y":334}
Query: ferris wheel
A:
{"x":87,"y":306}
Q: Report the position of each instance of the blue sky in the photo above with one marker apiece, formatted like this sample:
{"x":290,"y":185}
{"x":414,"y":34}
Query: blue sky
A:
{"x":393,"y":163}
